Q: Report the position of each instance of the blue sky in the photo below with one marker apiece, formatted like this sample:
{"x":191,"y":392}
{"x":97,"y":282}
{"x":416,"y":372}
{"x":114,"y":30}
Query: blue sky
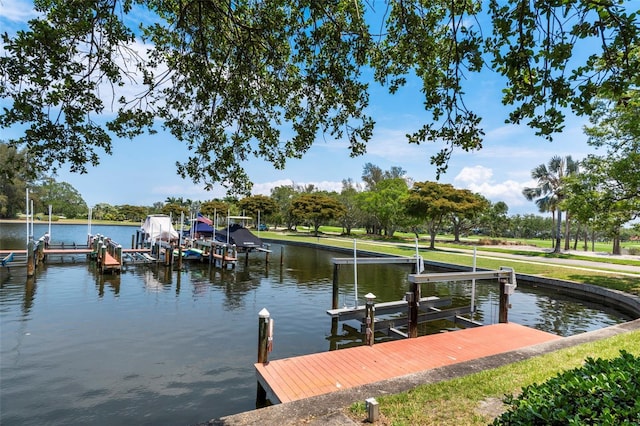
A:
{"x":142,"y":171}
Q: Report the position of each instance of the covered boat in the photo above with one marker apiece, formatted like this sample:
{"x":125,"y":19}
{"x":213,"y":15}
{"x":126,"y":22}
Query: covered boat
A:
{"x":202,"y":226}
{"x":159,"y":227}
{"x":237,"y":234}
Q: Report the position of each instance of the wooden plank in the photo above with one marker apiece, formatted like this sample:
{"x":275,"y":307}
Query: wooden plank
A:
{"x":301,"y":377}
{"x":110,"y":261}
{"x":67,"y":251}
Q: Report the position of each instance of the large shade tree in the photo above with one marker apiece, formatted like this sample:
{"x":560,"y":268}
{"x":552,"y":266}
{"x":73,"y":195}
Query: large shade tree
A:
{"x":14,"y":172}
{"x":63,"y":198}
{"x":258,"y":205}
{"x":316,"y":209}
{"x":385,"y":204}
{"x":469,"y":207}
{"x":433,"y":203}
{"x":235,"y":79}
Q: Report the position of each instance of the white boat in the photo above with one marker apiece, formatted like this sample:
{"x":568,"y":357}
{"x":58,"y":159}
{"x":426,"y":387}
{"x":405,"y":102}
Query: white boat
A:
{"x":158,"y":227}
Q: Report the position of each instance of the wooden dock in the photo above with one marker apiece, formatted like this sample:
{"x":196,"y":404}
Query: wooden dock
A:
{"x":305,"y":376}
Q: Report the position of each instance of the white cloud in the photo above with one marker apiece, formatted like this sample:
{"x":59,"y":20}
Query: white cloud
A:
{"x":265,"y":188}
{"x":472,"y":175}
{"x":508,"y":191}
{"x":17,"y":11}
{"x":479,"y":179}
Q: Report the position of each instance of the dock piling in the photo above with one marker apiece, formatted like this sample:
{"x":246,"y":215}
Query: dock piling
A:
{"x":503,"y":313}
{"x":413,"y":309}
{"x":31,"y":267}
{"x":370,"y":318}
{"x":264,"y":320}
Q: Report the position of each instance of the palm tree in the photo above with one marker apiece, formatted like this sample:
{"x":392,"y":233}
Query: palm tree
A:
{"x":550,"y":190}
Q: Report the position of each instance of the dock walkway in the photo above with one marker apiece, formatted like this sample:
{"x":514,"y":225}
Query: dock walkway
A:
{"x":306,"y":376}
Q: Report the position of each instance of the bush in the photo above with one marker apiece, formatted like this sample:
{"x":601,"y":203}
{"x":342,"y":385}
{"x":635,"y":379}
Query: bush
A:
{"x":602,"y":392}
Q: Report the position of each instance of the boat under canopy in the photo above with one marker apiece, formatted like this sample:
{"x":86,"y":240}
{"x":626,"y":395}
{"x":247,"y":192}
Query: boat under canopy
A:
{"x":237,"y":234}
{"x":201,"y":227}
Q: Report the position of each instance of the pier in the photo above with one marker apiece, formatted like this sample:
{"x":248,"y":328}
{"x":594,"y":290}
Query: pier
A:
{"x":291,"y":379}
{"x":316,"y":374}
{"x":111,"y":257}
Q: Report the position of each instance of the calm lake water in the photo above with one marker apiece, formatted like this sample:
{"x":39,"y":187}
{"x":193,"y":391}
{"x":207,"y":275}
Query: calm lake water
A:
{"x":155,"y":346}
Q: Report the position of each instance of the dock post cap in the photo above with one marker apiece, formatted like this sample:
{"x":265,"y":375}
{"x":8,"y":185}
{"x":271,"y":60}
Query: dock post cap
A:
{"x":264,"y":313}
{"x":369,"y":296}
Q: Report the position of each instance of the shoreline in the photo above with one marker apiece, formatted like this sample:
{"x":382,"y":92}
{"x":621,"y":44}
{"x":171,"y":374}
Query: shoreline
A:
{"x":72,"y":222}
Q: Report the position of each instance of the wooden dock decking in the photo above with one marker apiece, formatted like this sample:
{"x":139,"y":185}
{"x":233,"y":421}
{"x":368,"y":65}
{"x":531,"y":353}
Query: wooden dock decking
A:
{"x":291,"y":379}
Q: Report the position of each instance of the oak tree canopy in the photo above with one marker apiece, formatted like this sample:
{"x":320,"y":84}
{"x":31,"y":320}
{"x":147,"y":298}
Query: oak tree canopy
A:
{"x":235,"y":79}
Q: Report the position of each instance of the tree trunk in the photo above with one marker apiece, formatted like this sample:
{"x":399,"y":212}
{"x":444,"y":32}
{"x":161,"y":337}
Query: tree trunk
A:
{"x":553,"y":229}
{"x":567,"y":237}
{"x":456,"y":233}
{"x":558,"y":232}
{"x":575,"y":240}
{"x":616,"y":243}
{"x":432,"y":235}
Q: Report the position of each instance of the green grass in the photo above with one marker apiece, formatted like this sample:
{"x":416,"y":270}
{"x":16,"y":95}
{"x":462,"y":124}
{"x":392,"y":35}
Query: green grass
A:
{"x":458,"y":401}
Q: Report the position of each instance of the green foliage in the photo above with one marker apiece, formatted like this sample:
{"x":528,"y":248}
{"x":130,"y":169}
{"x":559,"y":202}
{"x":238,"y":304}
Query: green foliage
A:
{"x":235,"y":79}
{"x":384,"y":203}
{"x":258,"y":203}
{"x":64,"y":199}
{"x":434,"y":202}
{"x":316,"y":209}
{"x":605,"y":392}
{"x":13,"y":181}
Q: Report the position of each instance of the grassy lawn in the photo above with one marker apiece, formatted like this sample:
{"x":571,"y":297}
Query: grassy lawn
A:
{"x":603,"y":275}
{"x":464,"y":401}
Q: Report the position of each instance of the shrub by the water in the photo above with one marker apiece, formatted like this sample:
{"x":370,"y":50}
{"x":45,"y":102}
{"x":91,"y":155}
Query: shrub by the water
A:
{"x":602,"y":392}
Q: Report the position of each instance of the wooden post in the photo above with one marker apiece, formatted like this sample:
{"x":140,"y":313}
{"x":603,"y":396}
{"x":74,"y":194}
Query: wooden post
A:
{"x":413,"y":310}
{"x":103,"y":256}
{"x":263,"y":335}
{"x":411,"y":315}
{"x":503,"y":313}
{"x":133,"y":241}
{"x":281,"y":256}
{"x":263,"y":343}
{"x":40,"y":256}
{"x":31,"y":267}
{"x":336,"y":290}
{"x":167,"y":256}
{"x":179,"y":259}
{"x":370,"y":317}
{"x":118,"y":255}
{"x":246,"y":258}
